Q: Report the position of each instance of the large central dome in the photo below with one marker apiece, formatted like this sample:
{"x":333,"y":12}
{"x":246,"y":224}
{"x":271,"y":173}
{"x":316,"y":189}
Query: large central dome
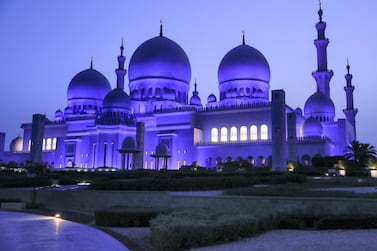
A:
{"x":159,"y":57}
{"x":244,"y":63}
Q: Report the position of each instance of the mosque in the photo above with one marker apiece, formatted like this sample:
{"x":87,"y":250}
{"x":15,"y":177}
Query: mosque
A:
{"x":158,"y":124}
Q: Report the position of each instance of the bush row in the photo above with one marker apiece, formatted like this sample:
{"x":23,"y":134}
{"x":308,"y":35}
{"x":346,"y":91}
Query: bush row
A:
{"x":200,"y":227}
{"x":127,"y":217}
{"x":325,"y":222}
{"x":173,"y":184}
{"x":193,"y":183}
{"x":24,"y":181}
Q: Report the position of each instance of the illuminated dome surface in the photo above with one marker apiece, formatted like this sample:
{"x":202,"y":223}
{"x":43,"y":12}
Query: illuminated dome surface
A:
{"x":244,"y":63}
{"x":319,"y":103}
{"x":88,"y":84}
{"x":117,"y":98}
{"x":159,"y":57}
{"x":311,"y":127}
{"x":16,"y":144}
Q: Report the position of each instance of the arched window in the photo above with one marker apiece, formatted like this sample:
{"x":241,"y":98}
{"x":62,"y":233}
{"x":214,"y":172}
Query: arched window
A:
{"x":264,"y":132}
{"x":224,"y":134}
{"x":253,"y":132}
{"x":214,"y":135}
{"x":233,"y":133}
{"x":243,"y":133}
{"x":158,"y":92}
{"x":48,"y":144}
{"x":44,"y":144}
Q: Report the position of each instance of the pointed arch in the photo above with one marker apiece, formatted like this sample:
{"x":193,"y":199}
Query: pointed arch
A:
{"x":233,"y":133}
{"x":214,"y":135}
{"x":243,"y":133}
{"x":264,"y":132}
{"x":224,"y":134}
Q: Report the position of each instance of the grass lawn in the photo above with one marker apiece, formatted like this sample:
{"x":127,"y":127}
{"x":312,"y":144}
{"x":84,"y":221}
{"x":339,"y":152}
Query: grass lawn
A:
{"x":308,"y":189}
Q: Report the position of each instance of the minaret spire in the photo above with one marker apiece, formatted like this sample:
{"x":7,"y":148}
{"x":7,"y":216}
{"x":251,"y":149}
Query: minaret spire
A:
{"x":195,"y":92}
{"x":121,"y":48}
{"x":320,"y":11}
{"x":120,"y":71}
{"x":348,"y":67}
{"x":91,"y":62}
{"x":350,"y":111}
{"x":322,"y":75}
{"x":161,"y":30}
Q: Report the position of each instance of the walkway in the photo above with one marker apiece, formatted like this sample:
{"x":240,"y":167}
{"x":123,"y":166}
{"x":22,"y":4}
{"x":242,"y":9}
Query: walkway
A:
{"x":303,"y":240}
{"x":22,"y":231}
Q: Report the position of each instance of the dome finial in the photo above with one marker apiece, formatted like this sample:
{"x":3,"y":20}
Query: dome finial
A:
{"x":348,"y":66}
{"x":121,"y":48}
{"x":243,"y":37}
{"x":320,"y":11}
{"x":91,"y":62}
{"x":195,"y":85}
{"x":161,"y":33}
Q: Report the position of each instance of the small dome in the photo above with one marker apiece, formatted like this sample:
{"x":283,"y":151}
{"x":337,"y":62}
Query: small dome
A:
{"x":16,"y":144}
{"x":88,"y":84}
{"x":68,"y":110}
{"x":160,"y":57}
{"x":161,"y":150}
{"x":311,"y":127}
{"x":129,"y":144}
{"x":195,"y":100}
{"x":58,"y":113}
{"x":298,"y":111}
{"x":244,"y":63}
{"x":319,"y":105}
{"x":117,"y":98}
{"x":211,"y":98}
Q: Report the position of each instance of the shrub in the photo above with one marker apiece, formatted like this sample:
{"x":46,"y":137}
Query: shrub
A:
{"x":24,"y":182}
{"x":67,"y":180}
{"x":178,"y":230}
{"x":174,"y":184}
{"x":127,"y":217}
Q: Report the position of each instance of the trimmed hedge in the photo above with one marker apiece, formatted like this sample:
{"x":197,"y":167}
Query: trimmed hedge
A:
{"x":174,"y":184}
{"x":24,"y":181}
{"x":127,"y":216}
{"x":192,"y":228}
{"x":214,"y":182}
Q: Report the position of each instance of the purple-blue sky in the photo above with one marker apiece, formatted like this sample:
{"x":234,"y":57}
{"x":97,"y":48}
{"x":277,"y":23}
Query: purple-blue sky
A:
{"x":45,"y":43}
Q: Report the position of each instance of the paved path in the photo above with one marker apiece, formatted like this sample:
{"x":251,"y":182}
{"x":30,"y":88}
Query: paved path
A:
{"x":22,"y":231}
{"x":289,"y":240}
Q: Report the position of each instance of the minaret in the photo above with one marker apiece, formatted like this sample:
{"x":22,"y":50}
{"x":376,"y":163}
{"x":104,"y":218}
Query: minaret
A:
{"x":350,"y":111}
{"x":322,"y":75}
{"x":121,"y":72}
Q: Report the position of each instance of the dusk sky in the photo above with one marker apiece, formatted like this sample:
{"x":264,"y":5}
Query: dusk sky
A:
{"x":45,"y":43}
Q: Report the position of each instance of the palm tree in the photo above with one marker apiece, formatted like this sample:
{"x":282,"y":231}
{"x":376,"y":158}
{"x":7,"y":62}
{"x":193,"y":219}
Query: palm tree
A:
{"x":360,"y":153}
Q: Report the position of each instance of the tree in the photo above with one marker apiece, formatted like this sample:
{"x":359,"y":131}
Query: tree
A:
{"x":360,"y":154}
